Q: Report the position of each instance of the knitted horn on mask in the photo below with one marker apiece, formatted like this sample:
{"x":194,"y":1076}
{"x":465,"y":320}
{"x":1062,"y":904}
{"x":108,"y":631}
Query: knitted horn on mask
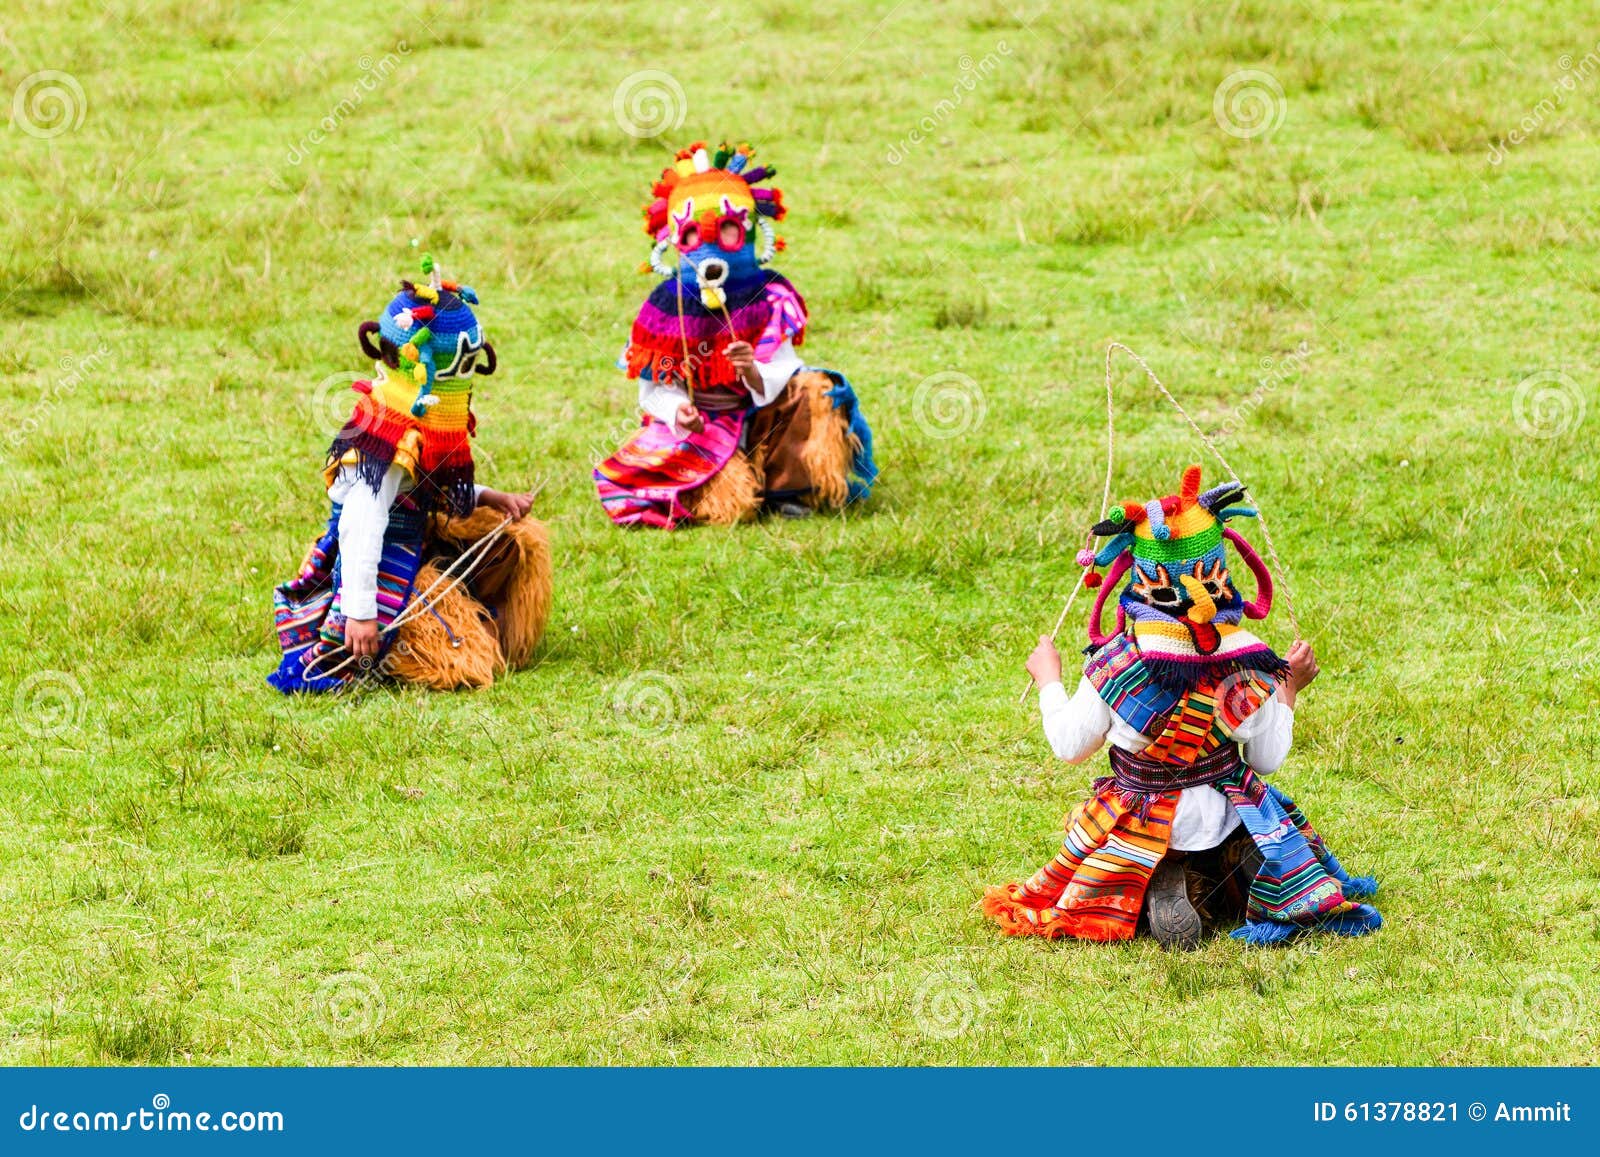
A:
{"x":1258,"y":608}
{"x":1119,"y":568}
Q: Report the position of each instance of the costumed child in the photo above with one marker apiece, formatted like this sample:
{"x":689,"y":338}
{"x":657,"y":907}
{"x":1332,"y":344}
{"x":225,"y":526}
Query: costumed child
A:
{"x":1185,"y":832}
{"x":734,"y":421}
{"x":421,"y":575}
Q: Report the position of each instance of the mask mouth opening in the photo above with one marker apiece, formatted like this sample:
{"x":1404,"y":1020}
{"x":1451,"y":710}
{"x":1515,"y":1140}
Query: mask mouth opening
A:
{"x":712,"y":273}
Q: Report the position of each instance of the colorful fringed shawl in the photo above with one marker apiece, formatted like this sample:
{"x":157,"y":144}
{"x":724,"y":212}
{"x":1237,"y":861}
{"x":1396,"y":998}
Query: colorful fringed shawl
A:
{"x":434,"y":450}
{"x":307,"y":613}
{"x":764,"y":310}
{"x":1170,"y":655}
{"x":643,"y":483}
{"x":1094,"y":888}
{"x":1188,"y":723}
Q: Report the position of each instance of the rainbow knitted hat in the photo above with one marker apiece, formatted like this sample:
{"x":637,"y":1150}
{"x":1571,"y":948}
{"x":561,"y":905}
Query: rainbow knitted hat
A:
{"x":1180,"y":603}
{"x":417,"y":411}
{"x":701,"y":191}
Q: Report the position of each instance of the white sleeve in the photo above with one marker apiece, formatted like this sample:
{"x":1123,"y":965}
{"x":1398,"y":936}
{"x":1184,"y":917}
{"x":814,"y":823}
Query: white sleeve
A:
{"x":362,"y":521}
{"x":661,"y":402}
{"x":1267,"y":735}
{"x":776,"y":372}
{"x":1075,"y":727}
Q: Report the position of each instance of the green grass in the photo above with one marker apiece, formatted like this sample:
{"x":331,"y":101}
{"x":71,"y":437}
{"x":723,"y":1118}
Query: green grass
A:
{"x":743,"y":806}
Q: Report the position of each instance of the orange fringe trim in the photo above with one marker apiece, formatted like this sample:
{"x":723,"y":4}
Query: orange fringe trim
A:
{"x":515,"y":581}
{"x":465,"y":655}
{"x":1013,"y":909}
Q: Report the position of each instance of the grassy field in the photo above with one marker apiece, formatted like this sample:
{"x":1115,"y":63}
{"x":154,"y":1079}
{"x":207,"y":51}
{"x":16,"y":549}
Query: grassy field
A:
{"x":744,"y":805}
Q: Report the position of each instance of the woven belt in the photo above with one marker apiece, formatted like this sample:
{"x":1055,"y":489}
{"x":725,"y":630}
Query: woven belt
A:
{"x":1137,"y":774}
{"x":720,"y":400}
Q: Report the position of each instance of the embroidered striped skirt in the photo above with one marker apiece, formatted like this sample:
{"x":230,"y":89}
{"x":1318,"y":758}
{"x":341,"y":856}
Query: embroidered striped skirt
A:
{"x":1094,"y":889}
{"x":306,"y":609}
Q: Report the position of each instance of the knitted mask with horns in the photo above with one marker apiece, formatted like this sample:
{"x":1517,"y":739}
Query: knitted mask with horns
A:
{"x":714,"y":234}
{"x":417,"y":410}
{"x":1180,"y":603}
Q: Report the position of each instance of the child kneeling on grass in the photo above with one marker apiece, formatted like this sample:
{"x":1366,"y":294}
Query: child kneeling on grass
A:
{"x":421,"y":575}
{"x":733,"y":421}
{"x":1184,"y":832}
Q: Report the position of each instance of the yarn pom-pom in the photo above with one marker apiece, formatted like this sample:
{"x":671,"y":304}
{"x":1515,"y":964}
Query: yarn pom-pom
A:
{"x":1093,"y":579}
{"x":1086,"y":557}
{"x":1133,"y":511}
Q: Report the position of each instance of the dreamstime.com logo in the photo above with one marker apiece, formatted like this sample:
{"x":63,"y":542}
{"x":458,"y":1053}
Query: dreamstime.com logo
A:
{"x":649,"y":103}
{"x":947,"y":1003}
{"x":160,"y":1117}
{"x":73,"y":370}
{"x":649,"y":703}
{"x":1249,"y":104}
{"x":948,"y":404}
{"x":48,"y":104}
{"x":1548,"y":404}
{"x":350,"y":1004}
{"x":1547,"y":1005}
{"x":48,"y":704}
{"x":374,"y":74}
{"x":333,"y":404}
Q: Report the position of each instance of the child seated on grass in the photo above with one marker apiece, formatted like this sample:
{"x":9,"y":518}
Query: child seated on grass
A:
{"x":376,"y":592}
{"x":1184,"y":833}
{"x":734,"y":422}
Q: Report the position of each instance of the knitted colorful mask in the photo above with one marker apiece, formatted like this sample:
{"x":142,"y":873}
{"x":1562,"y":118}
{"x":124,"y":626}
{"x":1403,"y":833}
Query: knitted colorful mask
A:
{"x":706,"y":207}
{"x":1180,"y":604}
{"x":430,"y":334}
{"x":417,"y":411}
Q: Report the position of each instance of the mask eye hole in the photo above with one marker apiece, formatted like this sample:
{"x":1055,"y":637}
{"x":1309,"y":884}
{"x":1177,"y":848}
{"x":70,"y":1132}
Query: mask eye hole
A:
{"x":467,"y":351}
{"x":730,"y":234}
{"x":1213,"y":588}
{"x":1164,"y":595}
{"x":690,"y":237}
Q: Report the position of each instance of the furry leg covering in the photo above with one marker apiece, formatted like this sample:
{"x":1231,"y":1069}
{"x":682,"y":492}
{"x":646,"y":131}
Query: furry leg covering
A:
{"x":450,"y":646}
{"x":826,"y":452}
{"x":485,"y":625}
{"x":515,"y":579}
{"x":733,"y":495}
